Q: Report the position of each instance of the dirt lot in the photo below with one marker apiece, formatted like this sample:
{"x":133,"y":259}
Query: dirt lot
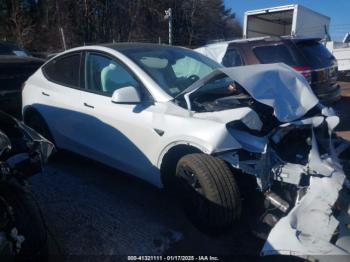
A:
{"x":93,"y":210}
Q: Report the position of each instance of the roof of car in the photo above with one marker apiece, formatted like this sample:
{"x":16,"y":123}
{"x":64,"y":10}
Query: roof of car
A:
{"x":13,"y":59}
{"x":263,"y":39}
{"x":136,"y":45}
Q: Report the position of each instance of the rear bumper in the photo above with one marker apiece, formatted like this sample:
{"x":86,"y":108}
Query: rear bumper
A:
{"x":328,"y":94}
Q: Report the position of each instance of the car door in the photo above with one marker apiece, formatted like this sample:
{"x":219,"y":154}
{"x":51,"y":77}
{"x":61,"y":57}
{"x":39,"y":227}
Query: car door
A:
{"x":119,"y":135}
{"x":61,"y":100}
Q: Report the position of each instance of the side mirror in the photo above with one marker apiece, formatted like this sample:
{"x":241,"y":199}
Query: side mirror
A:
{"x":126,"y":95}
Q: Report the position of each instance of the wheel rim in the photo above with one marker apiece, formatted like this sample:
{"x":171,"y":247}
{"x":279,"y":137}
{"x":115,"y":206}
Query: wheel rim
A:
{"x":191,"y":180}
{"x":194,"y":197}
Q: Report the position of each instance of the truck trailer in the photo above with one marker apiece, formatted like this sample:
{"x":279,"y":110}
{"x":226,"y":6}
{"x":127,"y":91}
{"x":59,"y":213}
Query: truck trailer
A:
{"x":341,"y":51}
{"x":289,"y":20}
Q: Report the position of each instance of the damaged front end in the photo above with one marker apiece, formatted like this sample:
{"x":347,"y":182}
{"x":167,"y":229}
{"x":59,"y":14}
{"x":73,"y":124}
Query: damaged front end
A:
{"x":295,"y":156}
{"x":300,"y":172}
{"x":318,"y":222}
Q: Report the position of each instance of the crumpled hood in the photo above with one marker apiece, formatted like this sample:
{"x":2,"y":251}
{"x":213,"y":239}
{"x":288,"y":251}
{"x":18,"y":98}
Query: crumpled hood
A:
{"x":275,"y":85}
{"x":215,"y":51}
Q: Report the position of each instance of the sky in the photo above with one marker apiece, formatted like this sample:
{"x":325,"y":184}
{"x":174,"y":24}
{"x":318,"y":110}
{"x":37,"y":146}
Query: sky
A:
{"x":337,"y":10}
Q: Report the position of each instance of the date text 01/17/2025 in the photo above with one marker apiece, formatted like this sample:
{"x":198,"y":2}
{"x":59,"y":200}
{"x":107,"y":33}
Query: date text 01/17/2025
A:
{"x":173,"y":258}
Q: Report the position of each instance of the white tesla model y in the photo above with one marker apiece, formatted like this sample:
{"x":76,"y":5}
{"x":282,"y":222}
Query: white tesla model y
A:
{"x":178,"y":119}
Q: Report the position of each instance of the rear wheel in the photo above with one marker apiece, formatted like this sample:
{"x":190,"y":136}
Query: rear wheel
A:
{"x":209,"y":192}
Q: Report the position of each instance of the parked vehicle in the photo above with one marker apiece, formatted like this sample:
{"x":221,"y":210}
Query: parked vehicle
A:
{"x":307,"y":56}
{"x":288,"y":20}
{"x":45,"y":55}
{"x":15,"y":67}
{"x":22,"y":153}
{"x":299,"y":22}
{"x":177,"y":119}
{"x":341,"y":51}
{"x":8,"y":48}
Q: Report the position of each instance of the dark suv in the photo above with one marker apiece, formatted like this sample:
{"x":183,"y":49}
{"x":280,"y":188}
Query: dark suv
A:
{"x":308,"y":56}
{"x":16,"y":65}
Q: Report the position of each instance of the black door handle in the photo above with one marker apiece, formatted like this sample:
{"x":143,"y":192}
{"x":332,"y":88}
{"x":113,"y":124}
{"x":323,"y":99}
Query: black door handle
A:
{"x":87,"y":105}
{"x":45,"y":94}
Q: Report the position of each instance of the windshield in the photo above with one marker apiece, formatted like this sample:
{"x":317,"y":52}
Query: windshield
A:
{"x":280,"y":53}
{"x":12,"y":49}
{"x":4,"y":50}
{"x":173,"y":69}
{"x":317,"y":54}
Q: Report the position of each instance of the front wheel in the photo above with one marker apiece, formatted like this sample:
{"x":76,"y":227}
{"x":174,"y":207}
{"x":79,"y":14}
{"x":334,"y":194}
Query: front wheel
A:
{"x":209,"y":192}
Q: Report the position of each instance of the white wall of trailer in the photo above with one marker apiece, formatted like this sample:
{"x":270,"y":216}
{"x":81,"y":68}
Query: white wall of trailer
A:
{"x":299,"y":22}
{"x":259,"y":28}
{"x":341,"y":52}
{"x":308,"y":23}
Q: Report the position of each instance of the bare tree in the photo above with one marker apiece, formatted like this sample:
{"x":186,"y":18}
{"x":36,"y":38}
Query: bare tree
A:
{"x":36,"y":23}
{"x":190,"y":7}
{"x":20,"y":21}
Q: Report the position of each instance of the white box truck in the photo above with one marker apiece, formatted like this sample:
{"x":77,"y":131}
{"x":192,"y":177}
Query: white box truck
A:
{"x":296,"y":21}
{"x":289,"y":20}
{"x":341,"y":52}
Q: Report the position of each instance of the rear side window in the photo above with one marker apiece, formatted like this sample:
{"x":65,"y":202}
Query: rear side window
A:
{"x":316,"y":54}
{"x":65,"y":70}
{"x":276,"y":54}
{"x":232,"y":58}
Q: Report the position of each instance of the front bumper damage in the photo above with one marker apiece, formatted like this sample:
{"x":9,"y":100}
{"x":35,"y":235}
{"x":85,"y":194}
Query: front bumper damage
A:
{"x":310,"y":227}
{"x":298,"y":165}
{"x":317,"y":224}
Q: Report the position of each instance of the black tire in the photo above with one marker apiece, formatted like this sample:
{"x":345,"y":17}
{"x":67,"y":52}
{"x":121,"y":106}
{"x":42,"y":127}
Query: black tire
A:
{"x":34,"y":120}
{"x":28,"y":221}
{"x":209,"y":192}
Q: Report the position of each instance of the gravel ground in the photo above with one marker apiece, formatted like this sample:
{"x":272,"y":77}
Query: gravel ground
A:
{"x":94,"y":210}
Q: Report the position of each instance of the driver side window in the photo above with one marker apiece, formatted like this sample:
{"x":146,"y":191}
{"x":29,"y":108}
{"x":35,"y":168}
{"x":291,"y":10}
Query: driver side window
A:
{"x":105,"y":75}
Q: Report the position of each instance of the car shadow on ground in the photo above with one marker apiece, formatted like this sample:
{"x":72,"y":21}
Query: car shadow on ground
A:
{"x":91,"y":209}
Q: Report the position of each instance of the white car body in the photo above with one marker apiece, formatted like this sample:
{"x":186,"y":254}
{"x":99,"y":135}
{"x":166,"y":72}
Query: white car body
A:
{"x":90,"y":137}
{"x":135,"y":138}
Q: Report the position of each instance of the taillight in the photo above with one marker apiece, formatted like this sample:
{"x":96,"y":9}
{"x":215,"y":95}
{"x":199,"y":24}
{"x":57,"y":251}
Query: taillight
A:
{"x":305,"y":71}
